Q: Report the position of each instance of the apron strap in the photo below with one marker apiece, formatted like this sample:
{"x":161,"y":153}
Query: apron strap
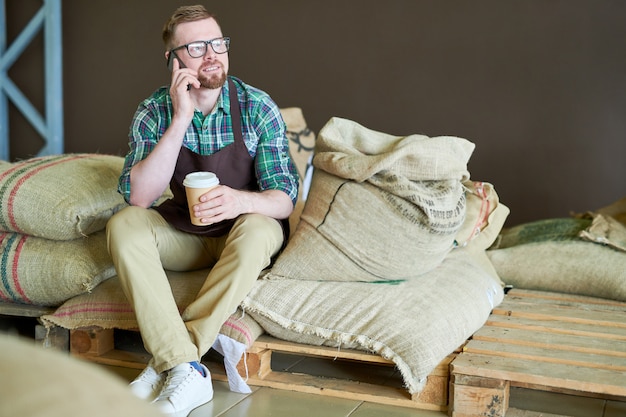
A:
{"x":235,"y":111}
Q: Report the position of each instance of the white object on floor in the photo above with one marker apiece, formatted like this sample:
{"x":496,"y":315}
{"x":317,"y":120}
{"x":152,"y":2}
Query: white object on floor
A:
{"x":232,"y":351}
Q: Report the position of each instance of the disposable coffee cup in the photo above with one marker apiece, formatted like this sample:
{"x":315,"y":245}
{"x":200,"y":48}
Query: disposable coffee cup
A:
{"x":196,"y":184}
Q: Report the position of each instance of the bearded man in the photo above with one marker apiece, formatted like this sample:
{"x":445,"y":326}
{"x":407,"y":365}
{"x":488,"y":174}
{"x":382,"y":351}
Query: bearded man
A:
{"x":205,"y":120}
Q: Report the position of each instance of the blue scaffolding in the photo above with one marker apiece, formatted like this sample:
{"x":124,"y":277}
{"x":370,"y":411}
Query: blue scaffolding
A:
{"x":50,"y":125}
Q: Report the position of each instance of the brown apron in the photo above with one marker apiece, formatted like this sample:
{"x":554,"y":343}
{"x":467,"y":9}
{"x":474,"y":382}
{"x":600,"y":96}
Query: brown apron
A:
{"x":232,"y":164}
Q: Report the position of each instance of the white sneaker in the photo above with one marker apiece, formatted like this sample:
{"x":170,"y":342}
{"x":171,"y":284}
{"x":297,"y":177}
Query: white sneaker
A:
{"x":184,"y":389}
{"x":148,"y":384}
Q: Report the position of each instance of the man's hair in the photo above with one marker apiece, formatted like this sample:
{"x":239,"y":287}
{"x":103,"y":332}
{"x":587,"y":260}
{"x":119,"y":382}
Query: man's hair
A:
{"x":181,"y":15}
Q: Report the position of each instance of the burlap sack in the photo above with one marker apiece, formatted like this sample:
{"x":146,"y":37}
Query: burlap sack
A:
{"x":380,"y":207}
{"x":484,"y":216}
{"x":301,"y":139}
{"x":107,"y":307}
{"x":47,"y":272}
{"x":415,"y":323}
{"x":608,"y":226}
{"x":605,"y":230}
{"x":301,"y":145}
{"x":60,"y":197}
{"x":40,"y":382}
{"x":550,"y":255}
{"x":616,"y":210}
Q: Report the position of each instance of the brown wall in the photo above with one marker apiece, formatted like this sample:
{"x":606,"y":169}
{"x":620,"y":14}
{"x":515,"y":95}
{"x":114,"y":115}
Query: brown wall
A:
{"x":538,"y":85}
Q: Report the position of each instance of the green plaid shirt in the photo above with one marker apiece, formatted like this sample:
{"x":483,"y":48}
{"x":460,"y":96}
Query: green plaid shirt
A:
{"x":264,"y":133}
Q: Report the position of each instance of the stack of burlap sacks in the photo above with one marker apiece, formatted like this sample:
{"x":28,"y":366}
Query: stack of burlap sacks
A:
{"x":389,"y":254}
{"x":53,"y":247}
{"x":54,"y":211}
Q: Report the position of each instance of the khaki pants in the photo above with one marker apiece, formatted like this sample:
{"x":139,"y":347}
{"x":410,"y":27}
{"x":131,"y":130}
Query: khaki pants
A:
{"x":142,"y":244}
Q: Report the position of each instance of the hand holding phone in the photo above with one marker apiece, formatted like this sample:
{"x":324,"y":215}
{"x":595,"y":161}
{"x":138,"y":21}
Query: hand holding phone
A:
{"x":170,"y":64}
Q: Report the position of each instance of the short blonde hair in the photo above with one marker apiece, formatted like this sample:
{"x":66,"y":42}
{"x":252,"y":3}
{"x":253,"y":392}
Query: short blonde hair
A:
{"x":181,"y":15}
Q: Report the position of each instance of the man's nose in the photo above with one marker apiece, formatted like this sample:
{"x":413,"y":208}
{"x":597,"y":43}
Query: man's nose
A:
{"x":210,"y":53}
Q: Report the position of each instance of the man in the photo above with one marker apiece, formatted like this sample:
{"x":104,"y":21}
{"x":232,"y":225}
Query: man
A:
{"x":205,"y":121}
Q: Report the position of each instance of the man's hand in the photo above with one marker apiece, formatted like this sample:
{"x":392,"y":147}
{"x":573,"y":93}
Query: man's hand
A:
{"x":182,"y":79}
{"x":150,"y":177}
{"x":223,"y":203}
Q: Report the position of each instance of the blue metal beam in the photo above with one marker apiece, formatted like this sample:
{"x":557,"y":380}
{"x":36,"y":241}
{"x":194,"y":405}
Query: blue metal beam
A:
{"x":23,"y":39}
{"x":47,"y":18}
{"x":54,"y":78}
{"x":4,"y":102}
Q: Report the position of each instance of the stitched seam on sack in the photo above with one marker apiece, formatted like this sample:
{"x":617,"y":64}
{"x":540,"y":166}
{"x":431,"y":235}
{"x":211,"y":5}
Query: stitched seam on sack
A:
{"x":330,"y":206}
{"x":382,"y":279}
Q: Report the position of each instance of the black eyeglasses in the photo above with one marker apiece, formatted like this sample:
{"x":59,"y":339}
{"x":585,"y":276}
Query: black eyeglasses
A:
{"x":198,"y":49}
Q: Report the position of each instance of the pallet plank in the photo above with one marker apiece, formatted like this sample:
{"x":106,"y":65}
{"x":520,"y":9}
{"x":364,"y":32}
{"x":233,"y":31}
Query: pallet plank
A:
{"x":537,"y":297}
{"x":24,"y":310}
{"x":549,"y":375}
{"x":571,"y":314}
{"x":478,"y":396}
{"x":336,"y":388}
{"x":92,"y":341}
{"x":268,"y":342}
{"x":541,"y":355}
{"x":557,"y":326}
{"x":559,"y":342}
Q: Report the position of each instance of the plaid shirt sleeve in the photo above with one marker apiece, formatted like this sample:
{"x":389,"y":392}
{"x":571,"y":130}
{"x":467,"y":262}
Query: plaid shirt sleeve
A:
{"x":264,"y":124}
{"x":142,"y":140}
{"x":274,"y":168}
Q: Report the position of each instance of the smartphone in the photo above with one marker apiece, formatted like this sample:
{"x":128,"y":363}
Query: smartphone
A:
{"x":170,"y":61}
{"x":170,"y":64}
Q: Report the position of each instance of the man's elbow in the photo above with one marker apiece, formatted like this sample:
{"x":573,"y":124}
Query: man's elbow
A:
{"x":135,"y":200}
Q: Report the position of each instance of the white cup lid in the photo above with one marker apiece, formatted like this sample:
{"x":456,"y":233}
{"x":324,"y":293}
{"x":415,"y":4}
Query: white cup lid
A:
{"x":200,"y":179}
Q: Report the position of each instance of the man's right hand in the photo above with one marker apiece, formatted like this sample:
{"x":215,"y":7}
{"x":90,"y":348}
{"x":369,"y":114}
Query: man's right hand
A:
{"x":182,"y":103}
{"x":151,"y":176}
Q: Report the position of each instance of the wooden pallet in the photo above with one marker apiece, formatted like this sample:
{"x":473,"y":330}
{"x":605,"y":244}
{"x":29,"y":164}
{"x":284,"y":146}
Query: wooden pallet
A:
{"x":56,"y":338}
{"x":260,"y":373}
{"x":24,"y":310}
{"x":98,"y":345}
{"x":543,"y":341}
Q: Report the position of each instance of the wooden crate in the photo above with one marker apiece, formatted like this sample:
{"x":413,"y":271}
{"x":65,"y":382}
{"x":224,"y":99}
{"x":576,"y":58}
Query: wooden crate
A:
{"x":98,"y":345}
{"x":543,"y":341}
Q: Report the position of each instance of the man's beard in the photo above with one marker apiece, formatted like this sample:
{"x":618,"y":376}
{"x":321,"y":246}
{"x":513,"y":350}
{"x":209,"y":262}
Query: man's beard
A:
{"x":212,"y":82}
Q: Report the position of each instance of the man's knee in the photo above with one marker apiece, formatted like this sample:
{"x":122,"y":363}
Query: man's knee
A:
{"x":123,"y":219}
{"x":129,"y":226}
{"x":258,"y":231}
{"x":257,"y":224}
